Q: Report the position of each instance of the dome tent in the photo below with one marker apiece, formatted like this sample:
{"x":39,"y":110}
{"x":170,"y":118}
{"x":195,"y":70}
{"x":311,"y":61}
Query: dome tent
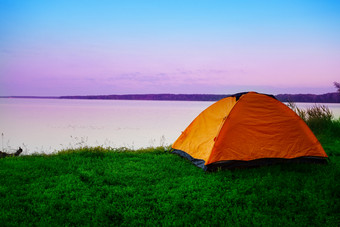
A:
{"x":248,"y":129}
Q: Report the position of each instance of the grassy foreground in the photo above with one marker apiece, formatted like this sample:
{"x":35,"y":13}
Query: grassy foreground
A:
{"x":153,"y":187}
{"x":96,"y":186}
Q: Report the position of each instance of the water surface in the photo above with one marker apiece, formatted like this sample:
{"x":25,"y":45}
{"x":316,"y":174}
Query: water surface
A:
{"x":49,"y":125}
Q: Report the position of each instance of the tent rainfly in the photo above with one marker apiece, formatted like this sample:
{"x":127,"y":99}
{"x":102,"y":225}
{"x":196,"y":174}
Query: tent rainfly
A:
{"x":245,"y":130}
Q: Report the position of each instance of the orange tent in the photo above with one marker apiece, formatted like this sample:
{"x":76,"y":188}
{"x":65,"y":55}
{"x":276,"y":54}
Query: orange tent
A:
{"x":248,"y":129}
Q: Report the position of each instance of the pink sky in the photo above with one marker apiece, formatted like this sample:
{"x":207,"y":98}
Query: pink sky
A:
{"x":64,"y":48}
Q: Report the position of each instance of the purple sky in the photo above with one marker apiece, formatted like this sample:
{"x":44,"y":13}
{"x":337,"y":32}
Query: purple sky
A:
{"x":93,"y":47}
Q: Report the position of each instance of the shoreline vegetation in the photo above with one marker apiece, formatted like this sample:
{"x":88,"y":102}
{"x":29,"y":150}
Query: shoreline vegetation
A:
{"x":323,"y":98}
{"x":99,"y":186}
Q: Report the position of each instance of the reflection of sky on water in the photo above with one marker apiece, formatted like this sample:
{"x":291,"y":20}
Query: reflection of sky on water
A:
{"x":46,"y":125}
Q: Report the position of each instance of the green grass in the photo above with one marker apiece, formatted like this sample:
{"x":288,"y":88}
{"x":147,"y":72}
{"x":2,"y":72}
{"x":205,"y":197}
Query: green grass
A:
{"x":94,"y":186}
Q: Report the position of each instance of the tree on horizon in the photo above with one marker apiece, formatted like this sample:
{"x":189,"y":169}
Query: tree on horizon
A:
{"x":337,"y":86}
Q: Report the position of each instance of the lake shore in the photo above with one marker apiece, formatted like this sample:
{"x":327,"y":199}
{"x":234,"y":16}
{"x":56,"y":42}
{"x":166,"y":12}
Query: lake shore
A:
{"x":119,"y":186}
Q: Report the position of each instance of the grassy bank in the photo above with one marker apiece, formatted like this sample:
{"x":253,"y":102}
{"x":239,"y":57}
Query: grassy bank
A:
{"x":100,"y":187}
{"x":96,"y":186}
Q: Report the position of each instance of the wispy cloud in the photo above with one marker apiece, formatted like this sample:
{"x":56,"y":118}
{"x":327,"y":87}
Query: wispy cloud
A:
{"x":179,"y":77}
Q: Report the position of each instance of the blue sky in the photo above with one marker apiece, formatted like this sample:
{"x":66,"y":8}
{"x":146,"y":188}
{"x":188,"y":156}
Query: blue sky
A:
{"x":121,"y":47}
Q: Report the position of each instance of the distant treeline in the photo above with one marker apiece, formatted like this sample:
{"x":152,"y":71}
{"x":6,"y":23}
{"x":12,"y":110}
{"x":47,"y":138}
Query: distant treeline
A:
{"x":324,"y":98}
{"x":164,"y":97}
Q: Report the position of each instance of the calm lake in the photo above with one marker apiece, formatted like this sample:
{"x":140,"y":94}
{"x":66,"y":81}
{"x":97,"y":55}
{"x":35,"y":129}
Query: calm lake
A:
{"x":49,"y":125}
